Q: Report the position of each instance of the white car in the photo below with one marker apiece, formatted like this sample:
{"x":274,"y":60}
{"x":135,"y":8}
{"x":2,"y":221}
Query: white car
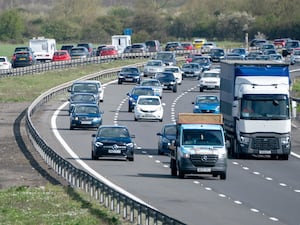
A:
{"x":295,"y":56}
{"x":148,"y":108}
{"x":152,"y":67}
{"x":210,"y":79}
{"x":4,"y":63}
{"x":176,"y":71}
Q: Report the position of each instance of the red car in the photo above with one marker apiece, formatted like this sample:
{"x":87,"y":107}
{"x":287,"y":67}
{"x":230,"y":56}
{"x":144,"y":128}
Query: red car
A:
{"x":280,"y":42}
{"x":61,"y":55}
{"x":109,"y":50}
{"x":187,"y":45}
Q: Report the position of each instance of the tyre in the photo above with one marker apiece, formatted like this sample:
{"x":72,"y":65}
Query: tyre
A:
{"x":135,"y":119}
{"x":174,"y":89}
{"x":71,"y":127}
{"x":223,"y":176}
{"x":180,"y":172}
{"x":119,"y":82}
{"x":201,"y":89}
{"x":173,"y":168}
{"x":93,"y":156}
{"x":284,"y":157}
{"x":129,"y":109}
{"x":131,"y":159}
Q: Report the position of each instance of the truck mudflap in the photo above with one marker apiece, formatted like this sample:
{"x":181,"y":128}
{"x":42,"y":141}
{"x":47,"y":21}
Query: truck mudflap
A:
{"x":188,"y":166}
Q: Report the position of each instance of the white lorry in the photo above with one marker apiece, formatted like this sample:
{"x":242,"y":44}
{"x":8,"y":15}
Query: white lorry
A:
{"x":255,"y":103}
{"x":43,"y":48}
{"x":200,"y":146}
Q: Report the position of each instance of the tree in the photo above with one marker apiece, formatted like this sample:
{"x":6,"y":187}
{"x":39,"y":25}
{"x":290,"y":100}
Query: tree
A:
{"x":11,"y":26}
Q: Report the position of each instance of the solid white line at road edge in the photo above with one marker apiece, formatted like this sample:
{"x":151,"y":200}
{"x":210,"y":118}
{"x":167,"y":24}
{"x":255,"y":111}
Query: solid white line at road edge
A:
{"x":83,"y":164}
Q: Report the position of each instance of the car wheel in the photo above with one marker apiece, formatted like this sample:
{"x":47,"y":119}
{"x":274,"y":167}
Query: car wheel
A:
{"x":71,"y":127}
{"x":173,"y":168}
{"x":135,"y":119}
{"x":180,"y":173}
{"x":201,"y":89}
{"x":161,"y":120}
{"x":119,"y":82}
{"x":131,"y":159}
{"x":223,"y":176}
{"x":93,"y":156}
{"x":129,"y":109}
{"x":175,"y":89}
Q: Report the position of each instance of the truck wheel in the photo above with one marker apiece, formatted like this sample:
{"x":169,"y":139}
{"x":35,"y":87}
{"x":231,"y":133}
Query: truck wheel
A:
{"x":223,"y":176}
{"x":173,"y":168}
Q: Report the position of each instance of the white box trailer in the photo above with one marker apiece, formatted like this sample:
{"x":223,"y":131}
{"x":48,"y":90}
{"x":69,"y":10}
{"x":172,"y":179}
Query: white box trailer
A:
{"x":121,"y":41}
{"x":43,"y":48}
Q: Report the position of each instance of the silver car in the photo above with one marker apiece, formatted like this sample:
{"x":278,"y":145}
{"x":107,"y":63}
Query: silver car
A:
{"x":154,"y":84}
{"x":152,"y":67}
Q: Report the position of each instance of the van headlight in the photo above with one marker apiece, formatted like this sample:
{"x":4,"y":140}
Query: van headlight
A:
{"x":285,"y":140}
{"x":245,"y":140}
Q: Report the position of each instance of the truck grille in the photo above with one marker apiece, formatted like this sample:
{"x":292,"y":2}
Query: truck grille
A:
{"x":265,"y":143}
{"x":204,"y":160}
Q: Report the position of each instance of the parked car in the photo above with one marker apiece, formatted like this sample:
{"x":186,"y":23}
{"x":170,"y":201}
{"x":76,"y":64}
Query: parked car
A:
{"x":154,"y":84}
{"x":290,"y":46}
{"x":217,"y":54}
{"x":79,"y":53}
{"x":67,"y":47}
{"x":85,"y":115}
{"x":88,"y":86}
{"x":130,"y":74}
{"x":165,"y":138}
{"x":79,"y":98}
{"x":152,"y":67}
{"x":207,"y":46}
{"x":295,"y":56}
{"x":23,"y":58}
{"x":198,"y":42}
{"x":210,"y":79}
{"x":138,"y":48}
{"x":148,"y":108}
{"x":191,"y":70}
{"x":109,"y":50}
{"x":167,"y":80}
{"x":173,"y":46}
{"x":187,"y":45}
{"x":167,"y":57}
{"x":113,"y":141}
{"x":176,"y":71}
{"x":204,"y":62}
{"x":61,"y":55}
{"x":135,"y":93}
{"x":4,"y":63}
{"x":153,"y":45}
{"x":206,"y":104}
{"x":88,"y":46}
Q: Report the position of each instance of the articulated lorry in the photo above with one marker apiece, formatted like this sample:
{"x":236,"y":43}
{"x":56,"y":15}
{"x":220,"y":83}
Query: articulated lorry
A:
{"x":255,"y":103}
{"x":200,"y":146}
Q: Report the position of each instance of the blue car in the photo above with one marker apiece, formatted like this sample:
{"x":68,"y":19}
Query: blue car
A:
{"x":85,"y":115}
{"x":135,"y":93}
{"x":78,"y":98}
{"x":113,"y":141}
{"x":206,"y":104}
{"x":166,"y":136}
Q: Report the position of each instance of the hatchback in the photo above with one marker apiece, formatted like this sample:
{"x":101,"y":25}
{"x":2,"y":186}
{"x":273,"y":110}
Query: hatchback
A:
{"x":67,"y":47}
{"x":289,"y":47}
{"x":4,"y":63}
{"x":85,"y":115}
{"x":130,"y":74}
{"x":154,"y":84}
{"x":173,"y":46}
{"x":113,"y":142}
{"x":148,"y":108}
{"x":109,"y":50}
{"x":166,"y":136}
{"x":191,"y":70}
{"x":135,"y":93}
{"x":79,"y":98}
{"x":153,"y":45}
{"x":138,"y":48}
{"x":23,"y":58}
{"x":79,"y":53}
{"x":152,"y":67}
{"x":206,"y":104}
{"x":88,"y":46}
{"x":295,"y":56}
{"x":167,"y":80}
{"x":88,"y":86}
{"x":176,"y":71}
{"x":210,"y":79}
{"x":187,"y":45}
{"x":61,"y":55}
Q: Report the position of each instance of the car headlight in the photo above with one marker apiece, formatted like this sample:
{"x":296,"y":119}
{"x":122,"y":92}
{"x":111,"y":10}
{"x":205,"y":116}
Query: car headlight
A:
{"x":245,"y":140}
{"x":186,"y":155}
{"x":285,"y":140}
{"x":76,"y":118}
{"x":196,"y":107}
{"x":130,"y":145}
{"x":98,"y":144}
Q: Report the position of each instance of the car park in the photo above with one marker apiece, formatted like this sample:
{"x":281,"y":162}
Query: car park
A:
{"x":130,"y":74}
{"x":22,"y":59}
{"x":79,"y":53}
{"x":85,"y":115}
{"x":135,"y":93}
{"x":206,"y":104}
{"x":148,"y":108}
{"x":191,"y":70}
{"x":61,"y":55}
{"x":79,"y":98}
{"x":88,"y":86}
{"x":209,"y":80}
{"x":165,"y":138}
{"x":113,"y":142}
{"x":176,"y":71}
{"x":152,"y":67}
{"x":295,"y":56}
{"x":167,"y":57}
{"x":154,"y":84}
{"x":4,"y":63}
{"x":217,"y":54}
{"x":167,"y":80}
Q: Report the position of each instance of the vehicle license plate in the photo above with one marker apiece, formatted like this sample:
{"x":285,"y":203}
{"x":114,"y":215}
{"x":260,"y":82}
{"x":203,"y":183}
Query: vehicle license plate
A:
{"x":203,"y":169}
{"x":86,"y":122}
{"x":22,"y":58}
{"x":129,"y":79}
{"x":264,"y":152}
{"x":114,"y":151}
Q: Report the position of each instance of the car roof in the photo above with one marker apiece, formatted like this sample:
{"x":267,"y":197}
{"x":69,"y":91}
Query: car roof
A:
{"x":87,"y":81}
{"x":149,"y":96}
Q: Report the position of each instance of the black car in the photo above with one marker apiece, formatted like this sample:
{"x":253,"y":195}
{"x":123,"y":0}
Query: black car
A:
{"x":113,"y":141}
{"x":130,"y":74}
{"x":217,"y":54}
{"x":167,"y":80}
{"x":23,"y":58}
{"x":67,"y":47}
{"x":166,"y":136}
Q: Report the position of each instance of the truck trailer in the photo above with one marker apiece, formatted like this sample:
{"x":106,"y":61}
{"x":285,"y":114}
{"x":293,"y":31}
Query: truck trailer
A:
{"x":200,"y":146}
{"x":255,"y":103}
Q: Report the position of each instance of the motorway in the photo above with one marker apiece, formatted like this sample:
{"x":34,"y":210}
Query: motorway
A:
{"x":256,"y":191}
